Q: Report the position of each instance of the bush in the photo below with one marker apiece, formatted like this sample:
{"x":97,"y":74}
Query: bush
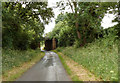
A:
{"x":98,"y":57}
{"x":77,"y":43}
{"x":7,"y":39}
{"x":22,"y":42}
{"x":34,"y":44}
{"x":15,"y":40}
{"x":14,"y":58}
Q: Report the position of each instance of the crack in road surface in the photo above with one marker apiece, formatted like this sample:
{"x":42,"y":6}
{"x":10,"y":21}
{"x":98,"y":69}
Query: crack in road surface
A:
{"x":48,"y":69}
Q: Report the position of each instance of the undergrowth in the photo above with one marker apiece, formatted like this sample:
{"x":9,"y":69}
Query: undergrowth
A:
{"x":99,"y":57}
{"x":15,"y":58}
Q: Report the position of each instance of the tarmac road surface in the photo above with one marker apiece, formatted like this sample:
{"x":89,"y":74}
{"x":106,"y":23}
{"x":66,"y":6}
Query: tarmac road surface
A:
{"x":49,"y":68}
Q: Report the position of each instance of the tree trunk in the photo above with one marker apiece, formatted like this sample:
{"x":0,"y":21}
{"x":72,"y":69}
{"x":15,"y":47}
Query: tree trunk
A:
{"x":78,"y":32}
{"x":76,"y":22}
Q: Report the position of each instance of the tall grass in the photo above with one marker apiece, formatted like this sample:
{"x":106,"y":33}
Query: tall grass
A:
{"x":15,"y":58}
{"x":99,"y":57}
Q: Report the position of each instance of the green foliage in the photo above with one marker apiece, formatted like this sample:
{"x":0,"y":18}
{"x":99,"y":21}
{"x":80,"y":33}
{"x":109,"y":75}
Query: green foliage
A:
{"x":66,"y":35}
{"x":88,"y":17}
{"x":34,"y":44}
{"x":56,"y":30}
{"x":77,"y":43}
{"x":23,"y":25}
{"x":60,"y":17}
{"x":15,"y":58}
{"x":63,"y":33}
{"x":117,"y":31}
{"x":99,"y":57}
{"x":7,"y":39}
{"x":22,"y":42}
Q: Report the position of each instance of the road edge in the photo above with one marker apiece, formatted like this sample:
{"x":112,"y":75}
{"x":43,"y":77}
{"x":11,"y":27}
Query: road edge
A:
{"x":67,"y":69}
{"x":18,"y":71}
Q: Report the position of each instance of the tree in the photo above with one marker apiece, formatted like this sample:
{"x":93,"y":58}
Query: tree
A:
{"x":19,"y":21}
{"x":73,"y":5}
{"x":87,"y":15}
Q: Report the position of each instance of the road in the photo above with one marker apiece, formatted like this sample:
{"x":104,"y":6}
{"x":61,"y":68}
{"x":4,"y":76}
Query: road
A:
{"x":49,"y":68}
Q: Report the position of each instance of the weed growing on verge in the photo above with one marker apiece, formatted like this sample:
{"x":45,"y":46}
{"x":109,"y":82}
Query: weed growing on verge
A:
{"x":98,"y":57}
{"x":15,"y":58}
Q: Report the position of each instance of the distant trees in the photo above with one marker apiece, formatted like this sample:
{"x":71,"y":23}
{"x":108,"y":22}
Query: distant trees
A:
{"x":23,"y":26}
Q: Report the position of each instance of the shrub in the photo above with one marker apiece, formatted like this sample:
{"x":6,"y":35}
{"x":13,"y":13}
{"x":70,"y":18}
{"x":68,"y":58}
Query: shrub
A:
{"x":34,"y":44}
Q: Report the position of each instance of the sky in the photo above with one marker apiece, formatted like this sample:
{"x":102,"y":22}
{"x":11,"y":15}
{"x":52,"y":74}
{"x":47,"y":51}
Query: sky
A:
{"x":106,"y":21}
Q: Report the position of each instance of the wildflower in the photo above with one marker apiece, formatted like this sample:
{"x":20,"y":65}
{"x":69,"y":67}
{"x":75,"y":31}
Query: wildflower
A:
{"x":111,"y":71}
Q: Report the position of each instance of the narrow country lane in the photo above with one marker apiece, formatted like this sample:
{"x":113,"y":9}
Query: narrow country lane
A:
{"x":48,"y":69}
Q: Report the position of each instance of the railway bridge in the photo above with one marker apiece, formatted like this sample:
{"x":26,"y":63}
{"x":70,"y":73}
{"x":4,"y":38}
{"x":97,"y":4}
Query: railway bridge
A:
{"x":50,"y":44}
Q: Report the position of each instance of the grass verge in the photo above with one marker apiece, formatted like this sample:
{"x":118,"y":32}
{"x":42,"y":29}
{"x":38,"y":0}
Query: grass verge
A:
{"x":99,"y":57}
{"x":15,"y":63}
{"x":68,"y":70}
